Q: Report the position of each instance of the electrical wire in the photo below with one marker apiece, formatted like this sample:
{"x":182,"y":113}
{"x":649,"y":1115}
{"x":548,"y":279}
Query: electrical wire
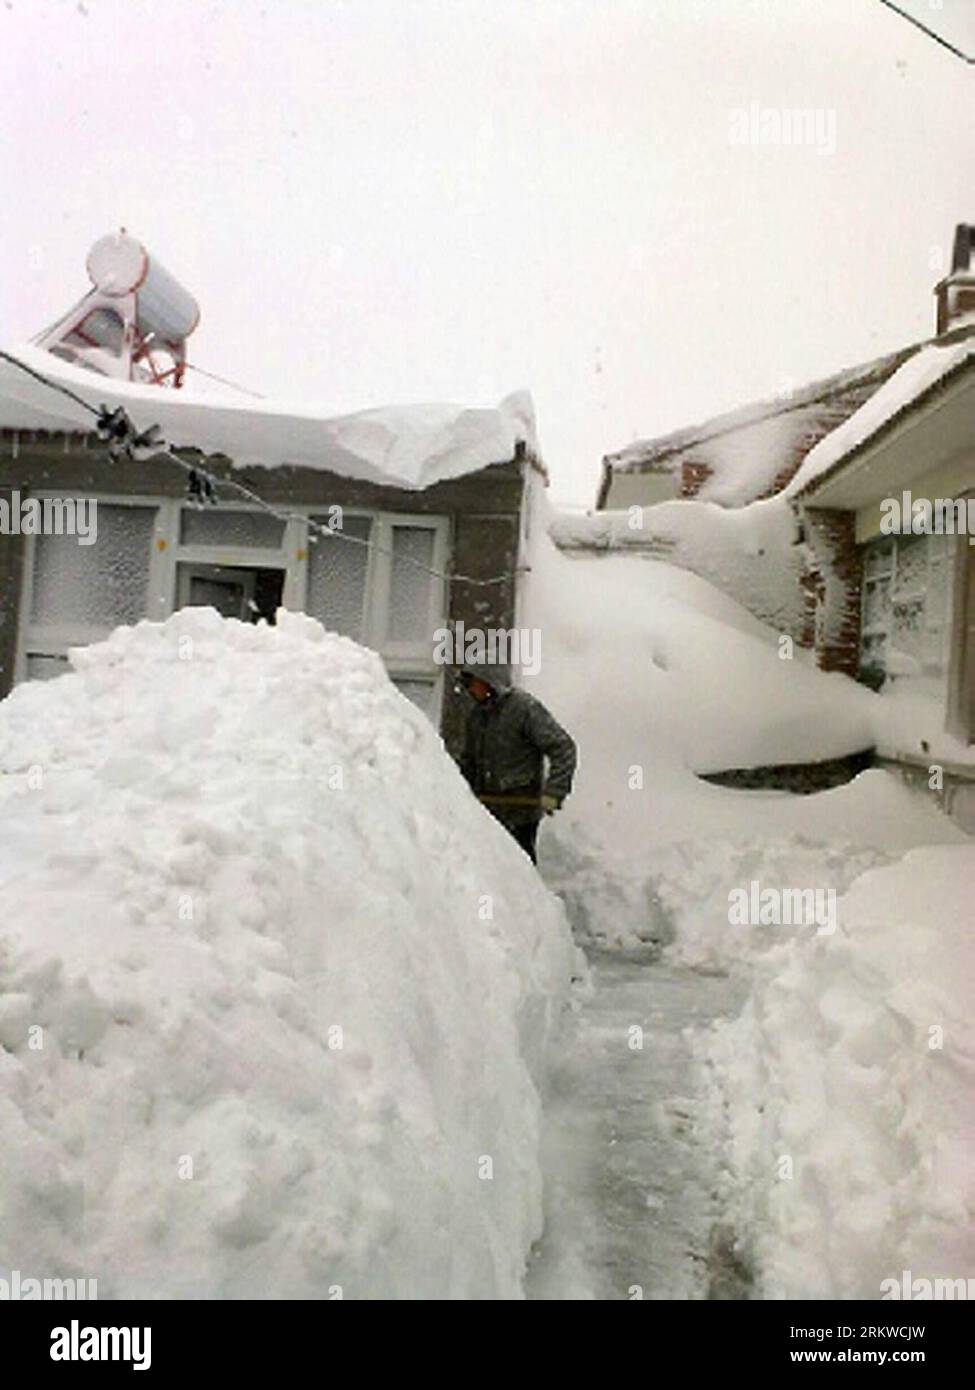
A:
{"x":54,"y":385}
{"x":911,"y":19}
{"x":225,"y":381}
{"x":131,"y":439}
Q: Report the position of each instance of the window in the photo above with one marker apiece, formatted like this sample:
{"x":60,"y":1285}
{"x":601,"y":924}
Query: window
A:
{"x":905,"y":610}
{"x":410,"y":590}
{"x":77,"y":594}
{"x":337,"y":574}
{"x":223,"y":526}
{"x":98,"y":585}
{"x":378,"y":582}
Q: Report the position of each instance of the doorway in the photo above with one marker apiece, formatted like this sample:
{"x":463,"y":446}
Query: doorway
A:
{"x":235,"y":591}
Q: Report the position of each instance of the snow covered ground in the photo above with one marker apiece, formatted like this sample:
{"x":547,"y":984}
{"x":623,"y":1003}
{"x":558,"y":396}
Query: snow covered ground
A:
{"x":276,"y":995}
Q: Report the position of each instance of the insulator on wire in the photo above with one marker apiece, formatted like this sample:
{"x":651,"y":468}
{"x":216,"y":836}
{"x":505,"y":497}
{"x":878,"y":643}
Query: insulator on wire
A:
{"x":199,"y":488}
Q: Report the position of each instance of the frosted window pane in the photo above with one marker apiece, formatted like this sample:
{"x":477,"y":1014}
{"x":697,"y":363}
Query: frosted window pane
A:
{"x":409,"y":599}
{"x":912,"y":565}
{"x":337,"y":577}
{"x":99,"y":585}
{"x":418,"y":692}
{"x":908,"y":629}
{"x":220,"y":526}
{"x":876,"y":604}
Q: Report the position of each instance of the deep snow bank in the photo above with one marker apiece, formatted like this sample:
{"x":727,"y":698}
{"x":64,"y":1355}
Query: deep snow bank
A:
{"x":271,"y":941}
{"x":659,"y":675}
{"x":855,"y":1059}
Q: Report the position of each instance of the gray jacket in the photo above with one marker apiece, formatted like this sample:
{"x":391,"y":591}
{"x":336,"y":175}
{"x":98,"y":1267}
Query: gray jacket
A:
{"x":507,"y":742}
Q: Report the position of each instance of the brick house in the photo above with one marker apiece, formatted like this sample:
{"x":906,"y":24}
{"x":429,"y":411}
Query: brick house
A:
{"x":157,"y":551}
{"x":897,"y":608}
{"x":895,"y":611}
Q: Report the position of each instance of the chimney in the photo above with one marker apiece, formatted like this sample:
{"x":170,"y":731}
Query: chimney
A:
{"x":956,"y":292}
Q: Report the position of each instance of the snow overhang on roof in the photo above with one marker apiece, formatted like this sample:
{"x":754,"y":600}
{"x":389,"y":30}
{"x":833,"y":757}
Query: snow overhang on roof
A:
{"x":405,"y":446}
{"x":841,"y":470}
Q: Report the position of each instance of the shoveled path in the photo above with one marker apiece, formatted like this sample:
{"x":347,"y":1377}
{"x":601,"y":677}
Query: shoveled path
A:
{"x":630,"y":1210}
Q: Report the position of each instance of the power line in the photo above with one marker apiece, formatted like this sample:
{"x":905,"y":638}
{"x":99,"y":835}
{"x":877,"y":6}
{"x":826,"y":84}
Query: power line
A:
{"x":122,"y":437}
{"x":912,"y":19}
{"x":225,"y":381}
{"x":54,"y":385}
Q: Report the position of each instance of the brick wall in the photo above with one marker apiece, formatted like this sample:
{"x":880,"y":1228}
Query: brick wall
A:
{"x":694,"y":473}
{"x":831,"y":580}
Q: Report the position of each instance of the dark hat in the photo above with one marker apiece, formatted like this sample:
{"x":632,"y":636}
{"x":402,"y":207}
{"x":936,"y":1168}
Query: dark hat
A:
{"x":494,"y":676}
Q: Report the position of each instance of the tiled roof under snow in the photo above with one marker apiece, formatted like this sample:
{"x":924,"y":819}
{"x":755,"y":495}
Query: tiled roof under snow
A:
{"x":754,"y":448}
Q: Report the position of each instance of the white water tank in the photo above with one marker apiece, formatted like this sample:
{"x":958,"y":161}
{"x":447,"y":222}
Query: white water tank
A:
{"x":120,"y":265}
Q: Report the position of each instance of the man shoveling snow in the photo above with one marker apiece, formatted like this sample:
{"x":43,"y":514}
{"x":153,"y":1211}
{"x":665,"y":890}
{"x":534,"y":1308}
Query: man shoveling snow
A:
{"x":510,"y":736}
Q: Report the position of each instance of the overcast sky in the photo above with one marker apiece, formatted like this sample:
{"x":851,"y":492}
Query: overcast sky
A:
{"x":387,"y":200}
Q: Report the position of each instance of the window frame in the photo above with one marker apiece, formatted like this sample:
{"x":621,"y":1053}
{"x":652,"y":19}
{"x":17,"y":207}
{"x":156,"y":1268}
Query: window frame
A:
{"x":54,"y":639}
{"x":939,"y":624}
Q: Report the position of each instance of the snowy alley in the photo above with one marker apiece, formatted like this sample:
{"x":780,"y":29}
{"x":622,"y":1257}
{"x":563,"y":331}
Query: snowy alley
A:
{"x":487,"y":676}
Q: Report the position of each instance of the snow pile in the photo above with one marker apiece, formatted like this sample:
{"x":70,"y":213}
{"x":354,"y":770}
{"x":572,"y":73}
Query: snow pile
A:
{"x":276,"y":992}
{"x":844,"y":1092}
{"x":695,"y":893}
{"x":917,"y":375}
{"x":409,"y":446}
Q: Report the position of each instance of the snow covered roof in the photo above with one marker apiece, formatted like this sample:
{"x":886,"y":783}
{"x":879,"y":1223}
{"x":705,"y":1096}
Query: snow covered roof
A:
{"x":920,"y":376}
{"x":745,"y":450}
{"x":407,"y":446}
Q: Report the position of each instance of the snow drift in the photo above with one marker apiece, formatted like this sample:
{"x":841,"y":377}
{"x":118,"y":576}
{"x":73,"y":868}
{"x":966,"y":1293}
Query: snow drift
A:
{"x":660,"y":676}
{"x":275,"y":992}
{"x":855,"y":1060}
